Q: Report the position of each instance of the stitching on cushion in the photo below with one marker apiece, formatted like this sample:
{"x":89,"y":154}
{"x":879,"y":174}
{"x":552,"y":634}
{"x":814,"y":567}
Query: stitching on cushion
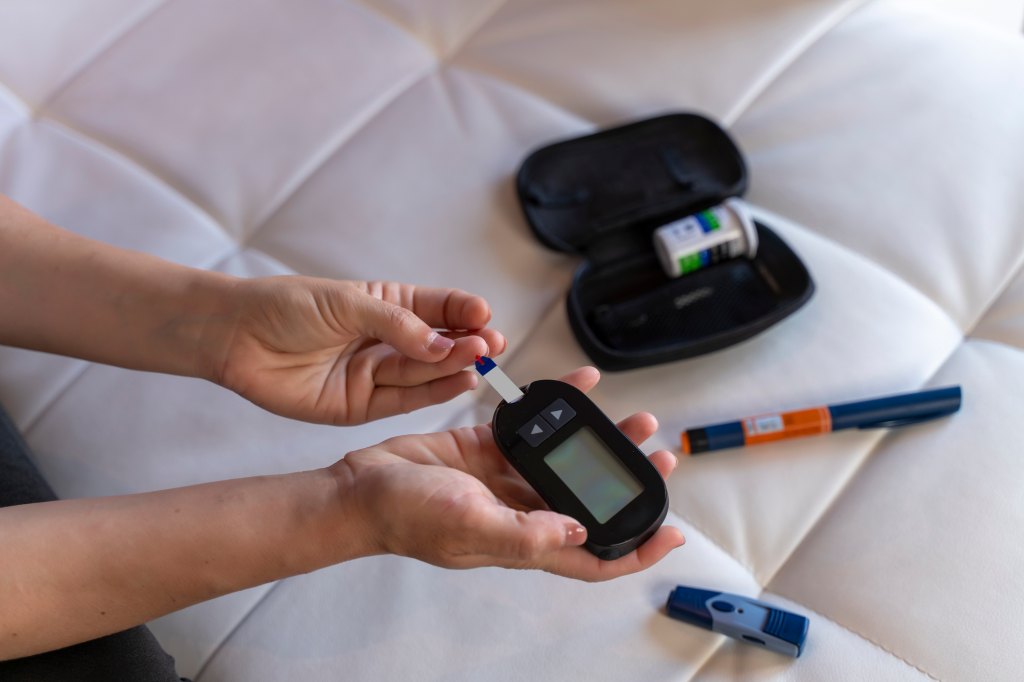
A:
{"x":1003,"y":288}
{"x":873,"y":643}
{"x":15,"y":101}
{"x":783,"y":64}
{"x":334,"y":144}
{"x":714,"y":541}
{"x":97,"y":52}
{"x":853,"y":474}
{"x":870,"y":641}
{"x":241,"y":621}
{"x":484,"y":18}
{"x":856,"y":253}
{"x":34,"y":419}
{"x":118,"y":156}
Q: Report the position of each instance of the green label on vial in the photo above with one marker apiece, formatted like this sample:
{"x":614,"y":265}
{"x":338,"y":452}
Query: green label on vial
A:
{"x":708,"y":221}
{"x":690,"y":262}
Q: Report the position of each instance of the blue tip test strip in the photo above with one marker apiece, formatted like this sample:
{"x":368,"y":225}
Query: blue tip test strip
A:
{"x":498,"y":380}
{"x":742,"y":618}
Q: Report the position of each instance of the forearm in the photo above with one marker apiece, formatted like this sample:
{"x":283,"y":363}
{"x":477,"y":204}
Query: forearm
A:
{"x":79,"y":569}
{"x":65,"y":294}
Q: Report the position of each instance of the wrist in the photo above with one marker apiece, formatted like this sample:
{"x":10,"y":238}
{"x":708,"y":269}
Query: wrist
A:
{"x":208,"y":326}
{"x":344,"y":531}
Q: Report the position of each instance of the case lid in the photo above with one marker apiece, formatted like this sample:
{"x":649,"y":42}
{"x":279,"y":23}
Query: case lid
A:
{"x":606,"y":192}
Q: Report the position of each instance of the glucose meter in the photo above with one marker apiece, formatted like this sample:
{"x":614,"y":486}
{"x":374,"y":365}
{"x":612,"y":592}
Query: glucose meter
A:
{"x":578,"y":461}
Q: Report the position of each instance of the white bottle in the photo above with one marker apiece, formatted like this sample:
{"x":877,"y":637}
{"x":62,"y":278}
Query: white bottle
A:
{"x":705,"y":238}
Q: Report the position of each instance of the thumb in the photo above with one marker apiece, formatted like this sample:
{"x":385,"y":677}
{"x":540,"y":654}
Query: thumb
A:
{"x":517,"y":538}
{"x":400,"y":328}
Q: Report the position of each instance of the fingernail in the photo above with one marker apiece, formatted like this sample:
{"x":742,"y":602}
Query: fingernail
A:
{"x":575,"y":534}
{"x":439,"y":344}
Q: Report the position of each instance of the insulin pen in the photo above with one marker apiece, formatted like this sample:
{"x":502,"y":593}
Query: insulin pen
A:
{"x":887,"y":412}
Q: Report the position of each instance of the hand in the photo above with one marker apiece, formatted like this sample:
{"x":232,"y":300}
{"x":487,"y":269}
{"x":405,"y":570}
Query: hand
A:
{"x":452,"y":500}
{"x":339,"y":352}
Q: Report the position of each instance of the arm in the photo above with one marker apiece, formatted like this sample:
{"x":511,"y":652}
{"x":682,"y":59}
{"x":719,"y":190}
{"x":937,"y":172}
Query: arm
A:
{"x":76,"y":570}
{"x":69,"y":295}
{"x":320,"y":350}
{"x":79,"y":569}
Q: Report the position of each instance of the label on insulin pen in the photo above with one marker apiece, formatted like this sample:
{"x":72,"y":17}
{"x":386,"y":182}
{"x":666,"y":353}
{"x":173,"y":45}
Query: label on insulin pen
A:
{"x":705,"y":238}
{"x":756,"y":426}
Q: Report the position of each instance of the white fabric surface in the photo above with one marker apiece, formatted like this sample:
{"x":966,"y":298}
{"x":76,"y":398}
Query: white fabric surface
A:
{"x":377,"y":138}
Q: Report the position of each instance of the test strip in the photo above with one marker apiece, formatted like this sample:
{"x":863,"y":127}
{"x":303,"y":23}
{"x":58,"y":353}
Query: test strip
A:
{"x":498,"y":380}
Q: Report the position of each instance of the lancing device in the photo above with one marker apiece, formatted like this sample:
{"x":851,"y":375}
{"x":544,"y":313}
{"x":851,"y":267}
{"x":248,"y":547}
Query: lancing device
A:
{"x":742,"y":618}
{"x":578,"y":461}
{"x":879,"y":413}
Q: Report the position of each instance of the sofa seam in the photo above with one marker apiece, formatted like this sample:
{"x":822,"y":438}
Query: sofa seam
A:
{"x":1002,"y":289}
{"x":842,"y":490}
{"x":781,"y":66}
{"x":31,"y":423}
{"x":95,"y":54}
{"x":17,"y":103}
{"x":718,"y":545}
{"x":100,"y":146}
{"x":441,"y":54}
{"x":320,"y":158}
{"x":857,"y":253}
{"x":877,"y":645}
{"x":839,"y":625}
{"x":234,"y":628}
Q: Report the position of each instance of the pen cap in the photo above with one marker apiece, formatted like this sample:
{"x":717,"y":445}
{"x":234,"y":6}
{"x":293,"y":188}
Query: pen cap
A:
{"x":896,"y":410}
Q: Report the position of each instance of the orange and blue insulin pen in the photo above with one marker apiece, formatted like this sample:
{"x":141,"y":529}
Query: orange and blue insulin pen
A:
{"x":879,"y":413}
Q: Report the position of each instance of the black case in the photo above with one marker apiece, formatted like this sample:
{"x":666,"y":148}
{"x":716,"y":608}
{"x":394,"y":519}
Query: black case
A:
{"x":603,"y":195}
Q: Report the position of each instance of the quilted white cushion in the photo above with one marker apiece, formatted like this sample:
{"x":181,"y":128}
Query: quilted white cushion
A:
{"x":378,"y":138}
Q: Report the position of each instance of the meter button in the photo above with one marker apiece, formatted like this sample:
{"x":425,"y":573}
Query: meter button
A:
{"x":558,"y":413}
{"x":535,"y":431}
{"x":723,"y":606}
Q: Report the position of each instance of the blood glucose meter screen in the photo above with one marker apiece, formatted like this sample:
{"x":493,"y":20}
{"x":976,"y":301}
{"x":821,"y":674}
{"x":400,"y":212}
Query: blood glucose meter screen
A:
{"x":593,"y":474}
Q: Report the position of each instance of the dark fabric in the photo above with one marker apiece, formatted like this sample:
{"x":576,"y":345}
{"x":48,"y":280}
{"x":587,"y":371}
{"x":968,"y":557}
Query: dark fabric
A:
{"x":130,"y":655}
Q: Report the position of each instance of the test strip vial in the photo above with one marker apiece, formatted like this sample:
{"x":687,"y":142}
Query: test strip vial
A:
{"x":702,"y":239}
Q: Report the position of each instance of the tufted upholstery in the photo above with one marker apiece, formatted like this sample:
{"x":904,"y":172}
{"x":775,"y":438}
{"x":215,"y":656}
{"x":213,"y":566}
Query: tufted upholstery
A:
{"x":377,"y":139}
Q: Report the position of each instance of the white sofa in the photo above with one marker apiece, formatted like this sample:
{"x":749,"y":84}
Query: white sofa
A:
{"x":378,"y":138}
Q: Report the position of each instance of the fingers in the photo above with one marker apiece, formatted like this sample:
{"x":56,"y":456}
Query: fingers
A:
{"x":398,"y":327}
{"x":441,"y":307}
{"x":450,"y":308}
{"x":584,"y":378}
{"x":394,"y":369}
{"x":664,"y":461}
{"x":641,"y":426}
{"x":404,"y":317}
{"x":495,"y":340}
{"x":390,"y":400}
{"x":511,"y":538}
{"x":553,"y":542}
{"x":582,"y":565}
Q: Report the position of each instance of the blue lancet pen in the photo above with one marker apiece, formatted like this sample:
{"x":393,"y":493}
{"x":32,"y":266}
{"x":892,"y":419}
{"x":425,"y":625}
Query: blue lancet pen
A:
{"x":742,"y":618}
